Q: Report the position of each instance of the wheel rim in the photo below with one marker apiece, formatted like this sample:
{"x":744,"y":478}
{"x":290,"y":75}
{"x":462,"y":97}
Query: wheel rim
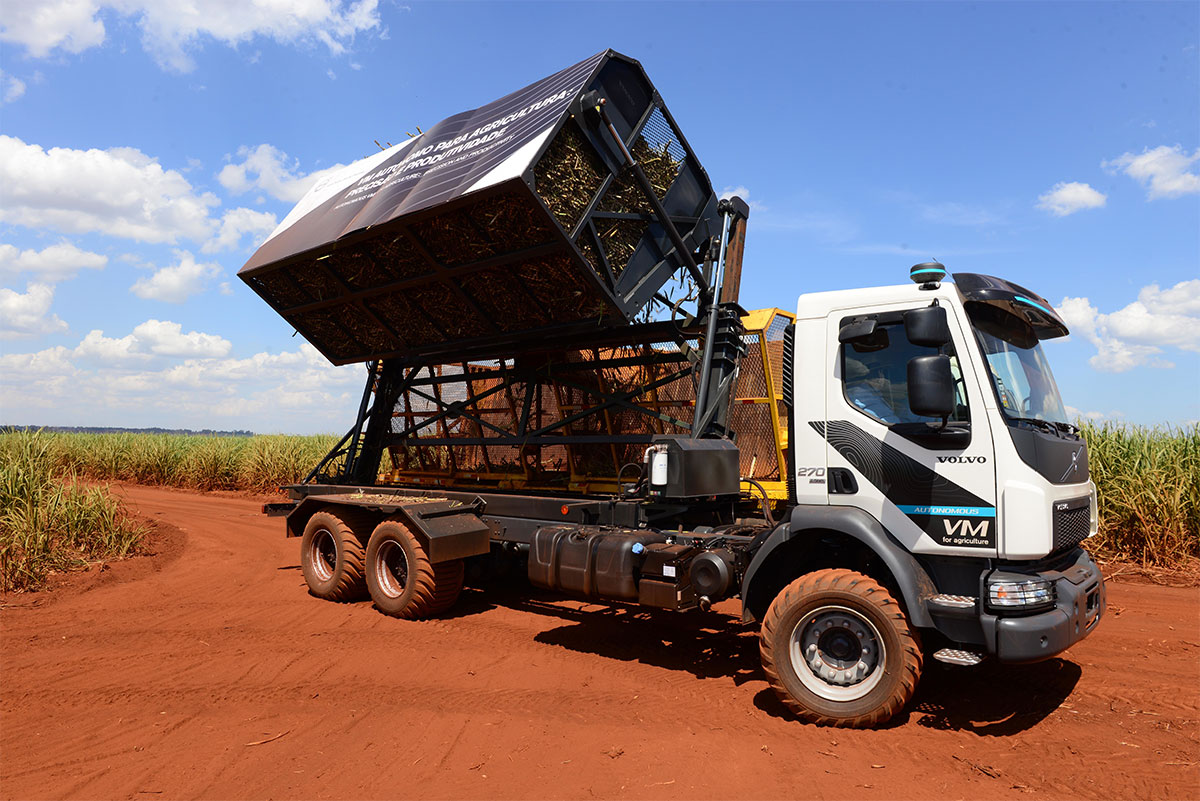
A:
{"x":391,"y":569}
{"x":322,"y":554}
{"x":837,"y":653}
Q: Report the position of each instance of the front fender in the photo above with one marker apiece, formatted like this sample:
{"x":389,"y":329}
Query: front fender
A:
{"x":914,"y":583}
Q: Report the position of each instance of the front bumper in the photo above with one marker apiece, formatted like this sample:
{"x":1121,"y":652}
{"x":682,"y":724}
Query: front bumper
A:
{"x":1031,"y":638}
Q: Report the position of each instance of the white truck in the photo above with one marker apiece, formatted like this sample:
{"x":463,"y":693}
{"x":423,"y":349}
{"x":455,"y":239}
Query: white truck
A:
{"x":568,"y":387}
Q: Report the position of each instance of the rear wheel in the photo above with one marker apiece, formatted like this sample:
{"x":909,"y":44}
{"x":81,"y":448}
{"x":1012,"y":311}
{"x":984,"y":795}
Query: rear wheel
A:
{"x":838,"y":650}
{"x":332,"y":555}
{"x":402,"y":581}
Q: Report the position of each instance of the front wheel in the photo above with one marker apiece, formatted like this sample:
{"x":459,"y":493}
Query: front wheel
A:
{"x":838,"y":650}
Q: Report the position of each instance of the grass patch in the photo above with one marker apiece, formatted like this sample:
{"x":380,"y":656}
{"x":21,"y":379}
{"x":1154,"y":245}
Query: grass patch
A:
{"x":1148,"y":482}
{"x":256,"y":464}
{"x":48,"y":522}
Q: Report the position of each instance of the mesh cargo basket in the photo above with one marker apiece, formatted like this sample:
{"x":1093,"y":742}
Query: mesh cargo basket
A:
{"x":498,"y":227}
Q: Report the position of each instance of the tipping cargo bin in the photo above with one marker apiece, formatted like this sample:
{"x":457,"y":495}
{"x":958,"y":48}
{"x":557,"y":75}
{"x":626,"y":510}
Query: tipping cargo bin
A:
{"x":497,"y":227}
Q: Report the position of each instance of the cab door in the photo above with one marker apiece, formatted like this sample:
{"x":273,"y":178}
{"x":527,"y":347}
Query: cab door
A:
{"x":931,"y":483}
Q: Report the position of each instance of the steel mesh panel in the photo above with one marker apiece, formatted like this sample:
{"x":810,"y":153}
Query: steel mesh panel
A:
{"x":318,"y":283}
{"x":391,"y":259}
{"x":469,"y":458}
{"x":553,"y":458}
{"x":454,"y":312}
{"x":324,"y":328}
{"x":416,"y":327}
{"x":755,"y":439}
{"x":774,"y":339}
{"x":508,"y":305}
{"x":662,"y":137}
{"x":280,"y":290}
{"x":504,"y":459}
{"x":584,"y":379}
{"x":752,"y":382}
{"x":556,"y":288}
{"x":368,"y":332}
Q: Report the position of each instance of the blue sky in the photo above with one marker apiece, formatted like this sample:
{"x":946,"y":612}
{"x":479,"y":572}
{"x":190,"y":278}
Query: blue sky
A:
{"x":147,"y":149}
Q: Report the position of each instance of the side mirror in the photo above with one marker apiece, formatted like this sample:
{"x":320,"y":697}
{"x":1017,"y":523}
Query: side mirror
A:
{"x":930,"y":386}
{"x":927,"y":326}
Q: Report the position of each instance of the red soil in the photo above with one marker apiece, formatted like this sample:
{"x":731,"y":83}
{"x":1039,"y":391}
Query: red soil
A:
{"x":207,"y":671}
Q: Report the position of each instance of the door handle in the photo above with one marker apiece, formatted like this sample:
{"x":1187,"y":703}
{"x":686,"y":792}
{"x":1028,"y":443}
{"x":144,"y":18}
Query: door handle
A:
{"x":841,"y":481}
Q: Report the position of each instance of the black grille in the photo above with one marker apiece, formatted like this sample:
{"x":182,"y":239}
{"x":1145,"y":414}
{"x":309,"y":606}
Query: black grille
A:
{"x":1071,"y":527}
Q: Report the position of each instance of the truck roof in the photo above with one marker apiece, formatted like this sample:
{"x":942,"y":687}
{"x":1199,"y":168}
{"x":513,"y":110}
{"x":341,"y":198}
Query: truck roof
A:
{"x":967,"y":288}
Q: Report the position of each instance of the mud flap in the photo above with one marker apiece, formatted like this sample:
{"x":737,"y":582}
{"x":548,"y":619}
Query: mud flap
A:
{"x":446,"y":529}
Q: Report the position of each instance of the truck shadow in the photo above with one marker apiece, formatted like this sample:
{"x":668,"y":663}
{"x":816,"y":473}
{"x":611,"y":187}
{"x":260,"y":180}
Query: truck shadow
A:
{"x":990,"y":699}
{"x":704,"y":644}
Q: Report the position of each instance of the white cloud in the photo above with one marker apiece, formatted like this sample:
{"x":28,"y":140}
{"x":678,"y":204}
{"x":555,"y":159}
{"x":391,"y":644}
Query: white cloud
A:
{"x":97,"y":346}
{"x":28,"y":314}
{"x":149,"y":339}
{"x":237,"y":223}
{"x":1163,"y":171}
{"x":50,"y":265}
{"x":45,"y":25}
{"x":167,"y":339}
{"x":1067,"y":198}
{"x":269,"y":169}
{"x":173,"y":29}
{"x":744,"y":193}
{"x":11,"y":87}
{"x":1136,"y":334}
{"x":1092,"y":417}
{"x":179,"y":282}
{"x":120,"y":192}
{"x":50,"y":362}
{"x":104,"y":381}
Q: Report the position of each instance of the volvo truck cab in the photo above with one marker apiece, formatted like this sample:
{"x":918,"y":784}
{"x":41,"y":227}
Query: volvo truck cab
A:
{"x":930,"y":443}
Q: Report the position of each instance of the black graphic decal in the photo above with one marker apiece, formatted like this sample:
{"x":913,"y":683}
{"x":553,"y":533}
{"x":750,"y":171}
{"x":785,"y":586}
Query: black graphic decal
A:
{"x":945,"y":511}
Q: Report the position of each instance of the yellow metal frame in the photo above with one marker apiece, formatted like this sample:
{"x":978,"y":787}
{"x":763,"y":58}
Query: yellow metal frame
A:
{"x":759,"y":321}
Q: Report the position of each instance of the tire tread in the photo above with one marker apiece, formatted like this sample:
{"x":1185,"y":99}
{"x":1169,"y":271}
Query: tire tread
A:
{"x":346,"y":525}
{"x":848,"y":581}
{"x":435,"y":588}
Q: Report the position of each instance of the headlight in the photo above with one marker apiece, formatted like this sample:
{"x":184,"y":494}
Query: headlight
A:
{"x":1024,"y":595}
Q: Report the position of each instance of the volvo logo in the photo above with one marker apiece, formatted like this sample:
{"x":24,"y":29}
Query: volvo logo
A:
{"x":1074,"y":468}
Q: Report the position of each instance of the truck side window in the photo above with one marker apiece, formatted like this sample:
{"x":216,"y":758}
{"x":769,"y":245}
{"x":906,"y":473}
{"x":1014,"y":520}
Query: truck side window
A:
{"x":875,"y":376}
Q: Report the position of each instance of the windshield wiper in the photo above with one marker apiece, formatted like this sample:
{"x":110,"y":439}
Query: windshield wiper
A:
{"x":1045,"y":425}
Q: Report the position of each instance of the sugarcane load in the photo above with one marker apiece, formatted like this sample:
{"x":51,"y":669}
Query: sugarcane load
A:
{"x":562,"y":386}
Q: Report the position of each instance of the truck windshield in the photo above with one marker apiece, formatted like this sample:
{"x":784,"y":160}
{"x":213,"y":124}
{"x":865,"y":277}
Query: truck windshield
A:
{"x":1018,"y":366}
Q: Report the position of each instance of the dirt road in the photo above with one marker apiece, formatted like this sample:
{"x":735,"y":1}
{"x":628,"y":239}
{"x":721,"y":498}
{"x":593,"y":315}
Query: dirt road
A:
{"x":209,"y":672}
